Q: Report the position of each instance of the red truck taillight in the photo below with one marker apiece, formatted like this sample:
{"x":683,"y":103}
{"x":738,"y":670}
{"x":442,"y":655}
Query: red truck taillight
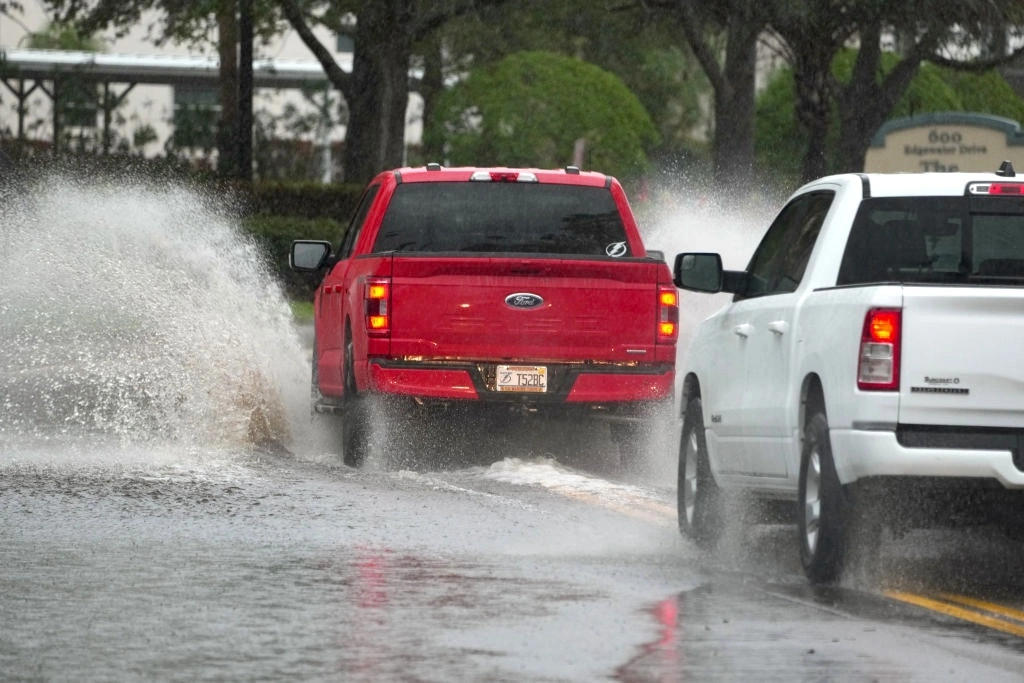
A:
{"x":879,"y":365}
{"x":668,"y":314}
{"x":377,"y":297}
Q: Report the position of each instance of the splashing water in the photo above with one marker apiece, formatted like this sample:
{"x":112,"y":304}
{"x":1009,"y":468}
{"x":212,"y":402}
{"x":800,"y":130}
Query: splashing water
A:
{"x":140,"y":311}
{"x":690,"y":217}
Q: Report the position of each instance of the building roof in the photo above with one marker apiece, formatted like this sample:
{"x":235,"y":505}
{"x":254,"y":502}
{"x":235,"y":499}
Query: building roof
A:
{"x":28,"y":64}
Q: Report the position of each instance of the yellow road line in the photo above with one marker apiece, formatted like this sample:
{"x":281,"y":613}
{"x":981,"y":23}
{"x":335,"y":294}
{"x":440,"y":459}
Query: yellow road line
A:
{"x":1016,"y":614}
{"x":958,"y":612}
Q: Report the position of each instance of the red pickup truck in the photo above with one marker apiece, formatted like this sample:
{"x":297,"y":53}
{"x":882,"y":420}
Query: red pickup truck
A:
{"x":522,"y":289}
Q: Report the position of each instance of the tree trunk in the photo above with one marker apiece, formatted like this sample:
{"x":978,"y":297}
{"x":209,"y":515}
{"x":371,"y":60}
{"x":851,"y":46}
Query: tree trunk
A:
{"x":431,"y":86}
{"x":733,"y":145}
{"x":227,"y":127}
{"x":245,"y":88}
{"x":733,"y":83}
{"x":813,"y":79}
{"x":379,"y":92}
{"x":866,"y":101}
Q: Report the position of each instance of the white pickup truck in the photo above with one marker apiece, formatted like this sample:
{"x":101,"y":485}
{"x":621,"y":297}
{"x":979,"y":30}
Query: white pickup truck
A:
{"x":870,"y":366}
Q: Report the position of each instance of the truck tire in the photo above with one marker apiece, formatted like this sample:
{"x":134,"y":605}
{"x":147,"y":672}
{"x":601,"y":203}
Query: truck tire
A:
{"x":318,"y":403}
{"x":355,"y":419}
{"x":629,"y":442}
{"x":699,"y":500}
{"x":355,"y":436}
{"x":314,"y":384}
{"x":824,"y":518}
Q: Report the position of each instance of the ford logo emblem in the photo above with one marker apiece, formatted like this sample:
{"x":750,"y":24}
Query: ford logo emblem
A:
{"x":523,"y":300}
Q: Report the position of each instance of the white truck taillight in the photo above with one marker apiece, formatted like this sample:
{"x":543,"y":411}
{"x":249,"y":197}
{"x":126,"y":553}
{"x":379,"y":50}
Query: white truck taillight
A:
{"x":879,"y":366}
{"x":377,"y":299}
{"x":668,"y":314}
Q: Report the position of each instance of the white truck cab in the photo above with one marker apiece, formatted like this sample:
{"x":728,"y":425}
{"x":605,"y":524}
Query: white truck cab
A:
{"x":869,"y":366}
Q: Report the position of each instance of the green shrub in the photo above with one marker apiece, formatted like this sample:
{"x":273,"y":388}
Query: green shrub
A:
{"x":275,"y":213}
{"x":275,"y":234}
{"x":530,"y":108}
{"x":304,"y":199}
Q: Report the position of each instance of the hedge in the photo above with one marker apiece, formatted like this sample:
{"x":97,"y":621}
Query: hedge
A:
{"x":275,"y":234}
{"x":276,"y":213}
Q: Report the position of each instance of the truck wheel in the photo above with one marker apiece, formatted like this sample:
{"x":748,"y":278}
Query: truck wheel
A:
{"x":315,"y":397}
{"x":629,"y":442}
{"x":355,"y":420}
{"x":825,"y":516}
{"x":699,"y":499}
{"x":355,"y":435}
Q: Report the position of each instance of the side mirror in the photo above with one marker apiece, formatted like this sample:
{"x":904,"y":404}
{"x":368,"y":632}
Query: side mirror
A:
{"x":698,"y":272}
{"x":308,"y":255}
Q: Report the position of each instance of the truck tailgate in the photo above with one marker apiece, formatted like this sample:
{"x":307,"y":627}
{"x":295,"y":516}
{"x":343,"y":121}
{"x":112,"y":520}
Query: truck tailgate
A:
{"x":457,"y":308}
{"x":963,"y":357}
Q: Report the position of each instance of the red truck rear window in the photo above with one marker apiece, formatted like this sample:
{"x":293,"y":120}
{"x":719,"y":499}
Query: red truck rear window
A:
{"x":502,"y":218}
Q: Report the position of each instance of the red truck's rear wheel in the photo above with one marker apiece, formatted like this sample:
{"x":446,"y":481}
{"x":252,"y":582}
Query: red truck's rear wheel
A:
{"x":355,"y":426}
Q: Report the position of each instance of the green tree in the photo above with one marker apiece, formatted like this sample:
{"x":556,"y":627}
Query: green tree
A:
{"x":533,"y":108}
{"x":64,"y":37}
{"x":723,"y":36}
{"x":635,"y":43}
{"x":193,"y":22}
{"x":780,"y":143}
{"x":377,"y":90}
{"x":966,"y":35}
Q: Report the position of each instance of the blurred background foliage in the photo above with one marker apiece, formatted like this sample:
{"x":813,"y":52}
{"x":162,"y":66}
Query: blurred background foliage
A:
{"x":530,"y":107}
{"x":779,"y":142}
{"x":641,"y":89}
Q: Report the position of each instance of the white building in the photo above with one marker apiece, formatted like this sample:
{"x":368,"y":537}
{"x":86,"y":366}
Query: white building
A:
{"x":157,"y":85}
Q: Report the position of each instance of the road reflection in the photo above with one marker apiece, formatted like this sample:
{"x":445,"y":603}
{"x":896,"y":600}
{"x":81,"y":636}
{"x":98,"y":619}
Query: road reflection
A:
{"x":937,"y":603}
{"x":371,"y":587}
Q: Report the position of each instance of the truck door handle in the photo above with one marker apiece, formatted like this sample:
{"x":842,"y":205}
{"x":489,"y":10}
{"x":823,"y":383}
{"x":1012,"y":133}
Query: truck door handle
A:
{"x":779,"y":327}
{"x":744,"y":329}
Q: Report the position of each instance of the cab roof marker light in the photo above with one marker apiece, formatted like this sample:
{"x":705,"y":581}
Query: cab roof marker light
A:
{"x":994,"y":189}
{"x":504,"y":176}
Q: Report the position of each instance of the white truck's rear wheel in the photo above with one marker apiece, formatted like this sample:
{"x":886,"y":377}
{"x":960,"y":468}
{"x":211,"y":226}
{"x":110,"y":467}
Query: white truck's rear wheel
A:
{"x":825,"y":516}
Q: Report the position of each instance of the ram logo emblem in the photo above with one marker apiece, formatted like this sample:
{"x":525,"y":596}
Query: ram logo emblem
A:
{"x":523,"y":300}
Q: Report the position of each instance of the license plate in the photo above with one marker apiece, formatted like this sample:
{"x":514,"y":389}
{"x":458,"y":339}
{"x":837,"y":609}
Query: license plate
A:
{"x":523,"y":378}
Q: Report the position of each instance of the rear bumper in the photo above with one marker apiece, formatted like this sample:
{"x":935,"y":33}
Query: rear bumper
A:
{"x":567,"y":384}
{"x":861,"y":454}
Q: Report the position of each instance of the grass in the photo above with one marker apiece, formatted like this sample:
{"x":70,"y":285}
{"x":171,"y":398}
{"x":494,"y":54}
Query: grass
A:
{"x":302,"y":311}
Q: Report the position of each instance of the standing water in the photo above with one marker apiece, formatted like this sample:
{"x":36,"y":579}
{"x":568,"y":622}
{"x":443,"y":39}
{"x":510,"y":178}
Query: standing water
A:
{"x":140,"y":314}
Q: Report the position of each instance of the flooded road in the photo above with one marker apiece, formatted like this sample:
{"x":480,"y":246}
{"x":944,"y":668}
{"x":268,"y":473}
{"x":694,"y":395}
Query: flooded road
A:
{"x":260,"y":566}
{"x":169,"y":511}
{"x":265,"y":568}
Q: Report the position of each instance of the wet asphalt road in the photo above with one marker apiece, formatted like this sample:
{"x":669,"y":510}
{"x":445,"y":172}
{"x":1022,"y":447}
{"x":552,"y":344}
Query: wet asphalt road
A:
{"x":255,"y":565}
